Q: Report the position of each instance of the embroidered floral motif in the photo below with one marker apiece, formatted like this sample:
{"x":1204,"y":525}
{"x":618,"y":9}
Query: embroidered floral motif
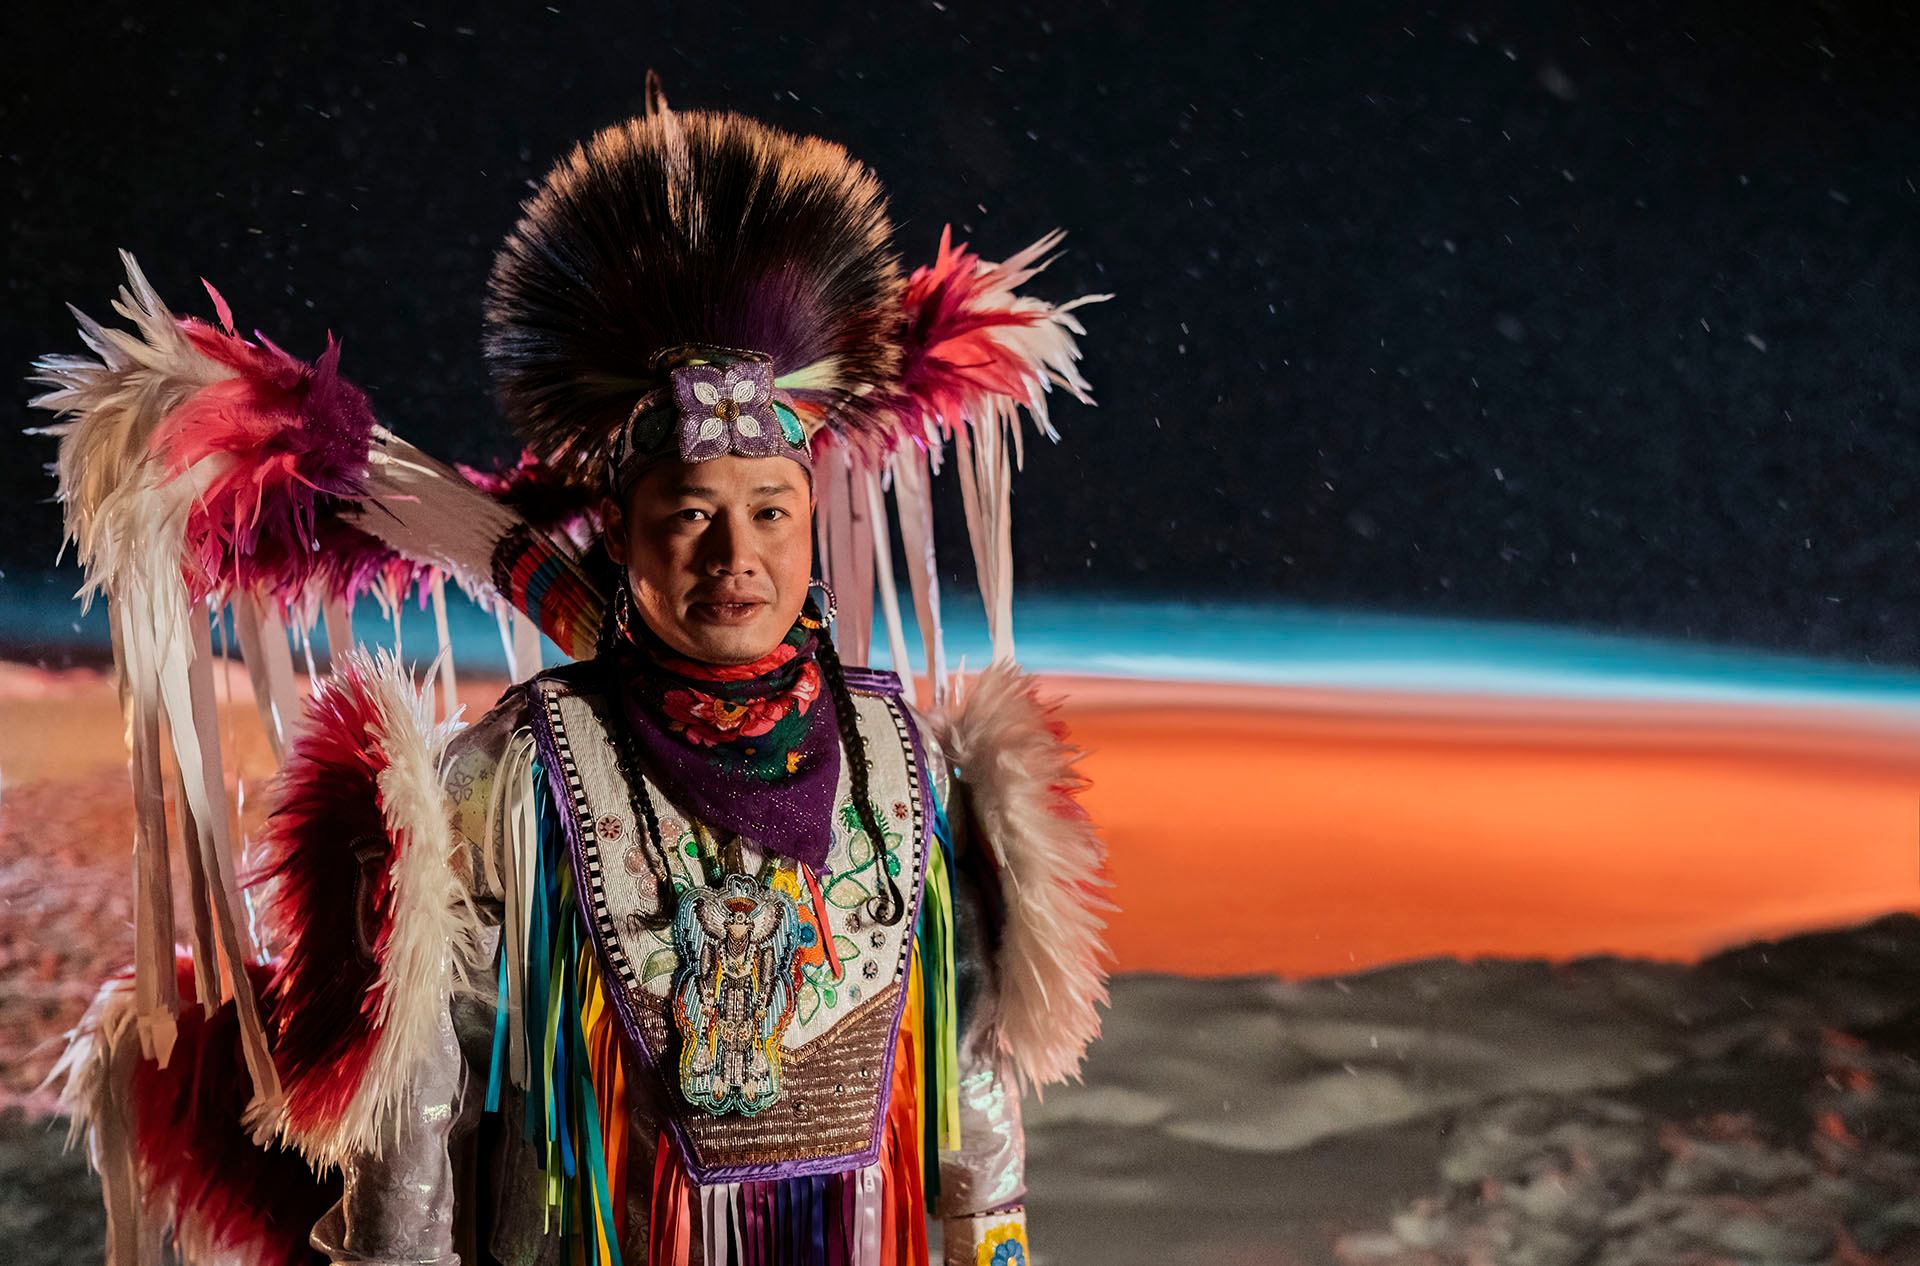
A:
{"x":812,"y":951}
{"x":710,"y":720}
{"x":609,"y":828}
{"x":1005,"y":1245}
{"x":714,"y":736}
{"x":459,"y":783}
{"x":853,"y":887}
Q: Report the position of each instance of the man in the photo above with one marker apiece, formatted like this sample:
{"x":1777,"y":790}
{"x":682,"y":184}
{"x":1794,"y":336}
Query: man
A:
{"x":703,"y":948}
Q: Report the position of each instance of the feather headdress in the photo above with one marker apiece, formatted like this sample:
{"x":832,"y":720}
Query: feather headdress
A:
{"x":704,"y":230}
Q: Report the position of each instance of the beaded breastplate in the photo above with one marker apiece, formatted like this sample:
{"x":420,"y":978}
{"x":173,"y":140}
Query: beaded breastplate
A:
{"x":765,"y":995}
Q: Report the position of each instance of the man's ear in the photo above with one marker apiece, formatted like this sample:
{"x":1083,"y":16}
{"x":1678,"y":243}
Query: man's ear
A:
{"x":613,"y":530}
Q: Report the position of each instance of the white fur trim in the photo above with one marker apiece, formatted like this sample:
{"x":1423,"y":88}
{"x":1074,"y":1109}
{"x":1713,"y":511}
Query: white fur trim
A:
{"x":1021,"y":781}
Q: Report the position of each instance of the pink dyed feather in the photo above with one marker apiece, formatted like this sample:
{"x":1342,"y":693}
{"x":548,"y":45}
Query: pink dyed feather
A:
{"x":950,"y":356}
{"x":541,"y":494}
{"x":275,"y":442}
{"x":352,"y":562}
{"x":972,"y":342}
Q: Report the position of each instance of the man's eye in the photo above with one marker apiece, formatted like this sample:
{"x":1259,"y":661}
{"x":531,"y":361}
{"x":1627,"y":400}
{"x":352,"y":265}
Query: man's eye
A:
{"x":690,"y":515}
{"x":773,"y":512}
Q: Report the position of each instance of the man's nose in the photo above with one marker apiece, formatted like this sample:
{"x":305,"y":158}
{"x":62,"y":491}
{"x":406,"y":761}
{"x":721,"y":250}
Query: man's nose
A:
{"x":727,"y":548}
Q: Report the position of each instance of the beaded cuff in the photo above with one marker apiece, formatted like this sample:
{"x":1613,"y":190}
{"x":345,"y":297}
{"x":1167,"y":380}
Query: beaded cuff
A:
{"x":987,"y":1239}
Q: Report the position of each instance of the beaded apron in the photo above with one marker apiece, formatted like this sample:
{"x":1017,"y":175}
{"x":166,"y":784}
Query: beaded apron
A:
{"x":835,"y":1046}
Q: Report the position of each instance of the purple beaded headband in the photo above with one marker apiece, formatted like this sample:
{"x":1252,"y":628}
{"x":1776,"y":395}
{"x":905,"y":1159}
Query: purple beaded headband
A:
{"x":715,"y":401}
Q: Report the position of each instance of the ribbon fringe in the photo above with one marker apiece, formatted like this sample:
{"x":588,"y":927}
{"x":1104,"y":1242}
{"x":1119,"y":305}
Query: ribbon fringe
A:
{"x":551,"y":992}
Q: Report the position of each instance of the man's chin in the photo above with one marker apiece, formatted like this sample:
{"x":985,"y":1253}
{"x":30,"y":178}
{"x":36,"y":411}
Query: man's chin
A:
{"x":731,"y":641}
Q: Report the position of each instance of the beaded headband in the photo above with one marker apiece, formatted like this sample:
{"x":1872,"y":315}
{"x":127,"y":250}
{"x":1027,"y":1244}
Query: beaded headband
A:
{"x":714,"y":401}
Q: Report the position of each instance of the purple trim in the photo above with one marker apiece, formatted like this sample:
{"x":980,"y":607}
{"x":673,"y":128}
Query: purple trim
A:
{"x":922,"y":800}
{"x":577,"y":821}
{"x":871,"y":681}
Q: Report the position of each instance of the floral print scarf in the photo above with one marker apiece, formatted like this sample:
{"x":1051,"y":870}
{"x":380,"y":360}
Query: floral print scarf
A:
{"x":753,"y":749}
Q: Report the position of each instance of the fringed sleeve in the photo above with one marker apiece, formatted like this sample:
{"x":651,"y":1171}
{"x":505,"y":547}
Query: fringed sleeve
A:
{"x":981,"y":1184}
{"x":398,"y":1203}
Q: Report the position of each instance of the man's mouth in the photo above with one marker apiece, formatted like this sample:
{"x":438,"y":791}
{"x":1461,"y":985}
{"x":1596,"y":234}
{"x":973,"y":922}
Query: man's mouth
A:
{"x":725,"y":612}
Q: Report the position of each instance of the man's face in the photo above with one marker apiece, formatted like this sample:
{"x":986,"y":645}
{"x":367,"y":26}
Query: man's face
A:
{"x":719,"y":553}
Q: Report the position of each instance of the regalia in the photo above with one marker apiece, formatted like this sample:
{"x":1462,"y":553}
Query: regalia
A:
{"x":638,"y":965}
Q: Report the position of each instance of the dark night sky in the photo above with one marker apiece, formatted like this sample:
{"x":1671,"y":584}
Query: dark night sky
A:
{"x":1599,"y":315}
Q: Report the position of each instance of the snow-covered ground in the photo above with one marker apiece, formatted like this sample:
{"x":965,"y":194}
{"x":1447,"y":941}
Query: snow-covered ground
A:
{"x":1760,"y":1108}
{"x":1763,"y":1107}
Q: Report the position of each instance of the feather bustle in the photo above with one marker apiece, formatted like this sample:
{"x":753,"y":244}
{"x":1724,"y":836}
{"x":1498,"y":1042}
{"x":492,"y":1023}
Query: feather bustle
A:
{"x":361,"y":789}
{"x":1009,"y":748}
{"x":168,"y":1141}
{"x":279,"y":438}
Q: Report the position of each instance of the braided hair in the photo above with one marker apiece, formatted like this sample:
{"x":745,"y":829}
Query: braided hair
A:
{"x":887,"y":905}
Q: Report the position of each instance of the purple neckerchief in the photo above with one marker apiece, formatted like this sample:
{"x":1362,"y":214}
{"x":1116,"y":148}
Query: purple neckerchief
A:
{"x":791,"y":815}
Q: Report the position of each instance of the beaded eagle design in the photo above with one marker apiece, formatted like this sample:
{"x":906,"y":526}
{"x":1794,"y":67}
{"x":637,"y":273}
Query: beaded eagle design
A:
{"x":734,"y":993}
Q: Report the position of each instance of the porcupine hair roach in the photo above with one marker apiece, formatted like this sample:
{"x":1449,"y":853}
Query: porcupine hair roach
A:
{"x":693,"y":228}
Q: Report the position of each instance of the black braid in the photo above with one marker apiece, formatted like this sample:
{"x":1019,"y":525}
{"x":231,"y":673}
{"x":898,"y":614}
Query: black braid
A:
{"x":609,"y":639}
{"x":888,"y":905}
{"x":625,"y":750}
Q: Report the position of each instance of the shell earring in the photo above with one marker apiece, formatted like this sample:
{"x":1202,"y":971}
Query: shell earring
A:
{"x":829,"y":607}
{"x":623,"y":612}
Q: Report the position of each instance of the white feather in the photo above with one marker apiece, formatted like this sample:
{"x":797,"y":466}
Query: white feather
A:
{"x":1052,"y":962}
{"x":95,"y":1072}
{"x":1047,"y":348}
{"x":989,"y":443}
{"x":84,"y":1064}
{"x":127,"y":519}
{"x":108,"y":408}
{"x":426,"y":511}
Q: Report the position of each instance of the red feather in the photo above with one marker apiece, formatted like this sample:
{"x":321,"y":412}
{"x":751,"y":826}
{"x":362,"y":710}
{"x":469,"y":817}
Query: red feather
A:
{"x":951,"y":358}
{"x":325,"y":991}
{"x":543,"y":495}
{"x":276,"y":442}
{"x":199,"y":1169}
{"x":352,"y":562}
